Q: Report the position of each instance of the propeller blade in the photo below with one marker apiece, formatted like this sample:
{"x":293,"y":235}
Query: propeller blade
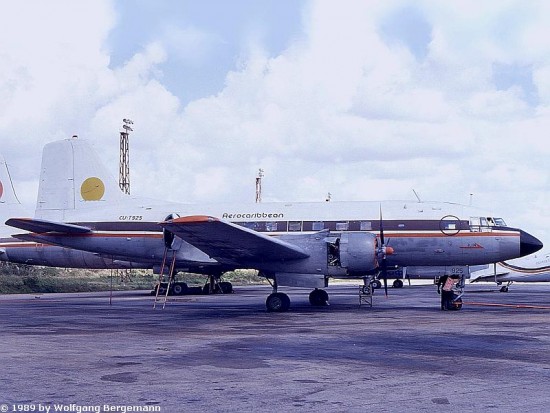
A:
{"x":382,"y":229}
{"x":385,"y":274}
{"x":383,"y":250}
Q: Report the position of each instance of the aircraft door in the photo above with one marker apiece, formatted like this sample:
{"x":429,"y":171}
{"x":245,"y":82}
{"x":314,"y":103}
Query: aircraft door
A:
{"x":170,"y":240}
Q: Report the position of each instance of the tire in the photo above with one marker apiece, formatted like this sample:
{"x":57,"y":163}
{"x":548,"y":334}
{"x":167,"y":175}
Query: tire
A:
{"x":318,"y":298}
{"x":277,"y":302}
{"x":398,"y":284}
{"x":504,"y":289}
{"x":376,"y":284}
{"x":226,"y":287}
{"x":179,"y":288}
{"x":365,"y":289}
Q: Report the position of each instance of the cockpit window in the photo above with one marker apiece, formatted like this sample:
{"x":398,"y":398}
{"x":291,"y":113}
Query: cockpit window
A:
{"x":478,"y":223}
{"x":499,"y":222}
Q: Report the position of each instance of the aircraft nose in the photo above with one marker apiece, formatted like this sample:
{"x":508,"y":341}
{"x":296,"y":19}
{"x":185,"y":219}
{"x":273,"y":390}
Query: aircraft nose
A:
{"x":528,"y":244}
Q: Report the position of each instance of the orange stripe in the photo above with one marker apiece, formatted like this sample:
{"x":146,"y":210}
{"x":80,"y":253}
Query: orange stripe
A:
{"x":538,"y":307}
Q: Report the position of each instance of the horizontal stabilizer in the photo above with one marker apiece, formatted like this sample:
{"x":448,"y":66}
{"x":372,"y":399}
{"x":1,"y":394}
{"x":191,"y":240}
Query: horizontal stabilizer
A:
{"x":40,"y":226}
{"x":231,"y":243}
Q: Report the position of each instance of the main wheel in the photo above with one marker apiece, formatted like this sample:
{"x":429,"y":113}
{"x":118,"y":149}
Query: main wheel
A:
{"x":504,"y":289}
{"x":398,"y":284}
{"x":318,"y":297}
{"x":376,"y":284}
{"x":226,"y":287}
{"x":179,"y":288}
{"x":366,"y":289}
{"x":277,"y":302}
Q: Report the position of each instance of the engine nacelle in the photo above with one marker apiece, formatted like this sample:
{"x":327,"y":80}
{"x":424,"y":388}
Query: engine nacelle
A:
{"x":358,"y":252}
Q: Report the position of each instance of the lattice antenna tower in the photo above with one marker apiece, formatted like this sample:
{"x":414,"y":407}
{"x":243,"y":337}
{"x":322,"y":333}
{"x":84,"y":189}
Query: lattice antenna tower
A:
{"x":259,"y":185}
{"x":124,"y":165}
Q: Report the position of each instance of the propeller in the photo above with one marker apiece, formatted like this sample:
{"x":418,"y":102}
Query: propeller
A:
{"x":382,"y":253}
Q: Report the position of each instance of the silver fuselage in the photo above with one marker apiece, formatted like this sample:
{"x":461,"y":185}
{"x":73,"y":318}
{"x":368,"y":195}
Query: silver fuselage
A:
{"x":421,"y":234}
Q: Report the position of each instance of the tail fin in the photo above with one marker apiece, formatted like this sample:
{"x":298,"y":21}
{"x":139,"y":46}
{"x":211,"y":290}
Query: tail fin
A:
{"x":9,"y":204}
{"x":73,"y":177}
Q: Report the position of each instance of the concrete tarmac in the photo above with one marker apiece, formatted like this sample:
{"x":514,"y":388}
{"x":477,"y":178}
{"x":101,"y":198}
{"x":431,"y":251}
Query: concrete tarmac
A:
{"x":225,"y":353}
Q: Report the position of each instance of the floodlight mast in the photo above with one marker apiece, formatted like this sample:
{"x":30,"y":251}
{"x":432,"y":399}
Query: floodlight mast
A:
{"x":259,"y":185}
{"x":124,"y":165}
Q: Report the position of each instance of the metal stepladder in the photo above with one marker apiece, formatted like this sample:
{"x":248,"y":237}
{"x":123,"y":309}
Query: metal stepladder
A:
{"x":366,"y":291}
{"x":161,"y":276}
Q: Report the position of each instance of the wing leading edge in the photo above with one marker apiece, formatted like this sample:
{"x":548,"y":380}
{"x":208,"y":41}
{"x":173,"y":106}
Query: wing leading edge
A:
{"x":230,"y":243}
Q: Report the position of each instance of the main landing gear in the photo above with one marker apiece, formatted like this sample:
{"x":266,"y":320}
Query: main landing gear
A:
{"x":377,"y":284}
{"x":504,"y":288}
{"x":280,"y":302}
{"x":277,"y":302}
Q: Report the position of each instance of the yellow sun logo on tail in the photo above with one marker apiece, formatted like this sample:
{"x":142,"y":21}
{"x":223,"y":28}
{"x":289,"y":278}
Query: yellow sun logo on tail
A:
{"x":92,"y":189}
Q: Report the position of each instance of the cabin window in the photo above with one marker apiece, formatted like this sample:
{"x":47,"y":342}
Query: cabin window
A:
{"x":295,"y":226}
{"x":318,"y":226}
{"x":342,"y":226}
{"x":271,"y":226}
{"x":365,"y":226}
{"x":250,"y":225}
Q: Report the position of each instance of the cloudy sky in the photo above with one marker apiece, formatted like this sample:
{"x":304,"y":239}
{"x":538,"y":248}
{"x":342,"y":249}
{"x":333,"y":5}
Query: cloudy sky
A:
{"x":367,"y":100}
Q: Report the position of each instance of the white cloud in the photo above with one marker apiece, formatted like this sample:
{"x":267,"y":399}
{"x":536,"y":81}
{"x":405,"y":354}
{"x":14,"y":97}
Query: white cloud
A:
{"x":189,"y":44}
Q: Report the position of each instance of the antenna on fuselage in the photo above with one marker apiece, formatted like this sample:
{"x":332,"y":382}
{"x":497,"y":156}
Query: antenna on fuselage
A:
{"x":416,"y":195}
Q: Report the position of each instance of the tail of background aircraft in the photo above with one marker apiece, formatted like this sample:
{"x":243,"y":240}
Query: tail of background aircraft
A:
{"x":73,"y":177}
{"x":7,"y":193}
{"x":9,"y":204}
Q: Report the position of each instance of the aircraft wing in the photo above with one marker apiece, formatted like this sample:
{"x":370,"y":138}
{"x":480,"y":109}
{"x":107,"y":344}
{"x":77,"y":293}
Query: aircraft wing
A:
{"x":41,"y":226}
{"x":230,"y":243}
{"x":486,"y":277}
